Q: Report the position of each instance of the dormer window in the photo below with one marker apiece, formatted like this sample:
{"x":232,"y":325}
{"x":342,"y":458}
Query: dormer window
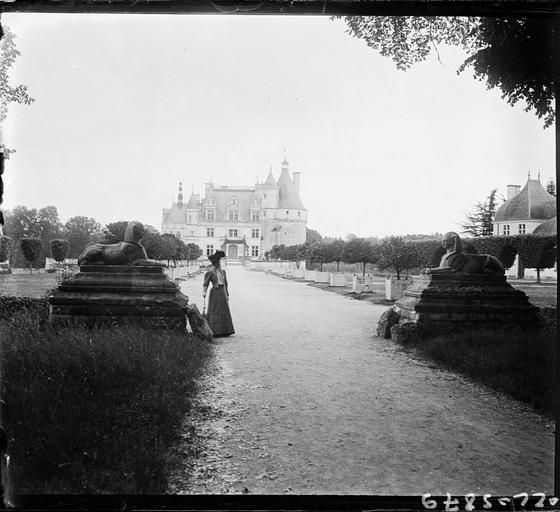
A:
{"x":235,"y":202}
{"x":211,"y":201}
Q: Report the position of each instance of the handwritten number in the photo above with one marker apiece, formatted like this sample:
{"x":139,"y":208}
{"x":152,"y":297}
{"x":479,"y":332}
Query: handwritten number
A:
{"x":525,"y":497}
{"x":429,"y":504}
{"x":540,"y":503}
{"x":469,"y":502}
{"x":503,"y":501}
{"x":451,"y":504}
{"x":487,"y":504}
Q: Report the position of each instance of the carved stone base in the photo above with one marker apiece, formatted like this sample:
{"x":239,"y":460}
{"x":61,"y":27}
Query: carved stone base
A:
{"x":107,"y":293}
{"x":438,"y":302}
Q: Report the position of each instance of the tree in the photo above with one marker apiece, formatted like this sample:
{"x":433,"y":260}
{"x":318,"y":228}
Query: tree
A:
{"x":479,"y":221}
{"x":9,"y":93}
{"x":50,"y":227}
{"x":334,"y":251}
{"x":551,"y":188}
{"x":78,"y":230}
{"x":31,"y":249}
{"x":514,"y":54}
{"x":193,"y":252}
{"x":397,"y":254}
{"x":173,"y":248}
{"x":118,"y":229}
{"x":6,"y":248}
{"x":60,"y":249}
{"x":359,"y":250}
{"x":315,"y":253}
{"x":312,"y":236}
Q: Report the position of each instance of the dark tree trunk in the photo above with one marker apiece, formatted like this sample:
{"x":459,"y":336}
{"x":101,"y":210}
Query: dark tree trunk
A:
{"x":538,"y":275}
{"x":364,"y":271}
{"x":520,"y":268}
{"x":338,"y":266}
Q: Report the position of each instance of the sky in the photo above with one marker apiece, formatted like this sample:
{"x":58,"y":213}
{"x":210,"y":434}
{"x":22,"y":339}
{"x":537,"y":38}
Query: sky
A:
{"x":129,"y":105}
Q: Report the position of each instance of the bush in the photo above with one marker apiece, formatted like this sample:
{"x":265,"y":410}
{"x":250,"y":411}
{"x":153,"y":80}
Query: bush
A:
{"x":516,"y":361}
{"x":60,"y":249}
{"x":6,"y":248}
{"x":31,"y":248}
{"x":91,"y":410}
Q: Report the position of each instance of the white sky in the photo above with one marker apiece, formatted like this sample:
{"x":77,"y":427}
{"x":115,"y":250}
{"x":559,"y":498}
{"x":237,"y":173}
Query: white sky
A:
{"x":129,"y":105}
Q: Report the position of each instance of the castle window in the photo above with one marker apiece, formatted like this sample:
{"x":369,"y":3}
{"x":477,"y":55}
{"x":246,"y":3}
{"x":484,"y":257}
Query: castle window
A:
{"x":210,"y":214}
{"x":254,"y":233}
{"x":209,"y":231}
{"x":188,"y":219}
{"x":254,"y":216}
{"x":287,"y":213}
{"x":254,"y":250}
{"x":299,"y":214}
{"x":521,"y":229}
{"x":178,"y":235}
{"x":233,"y":215}
{"x":209,"y":250}
{"x":506,"y":229}
{"x":211,"y":201}
{"x":235,"y":202}
{"x":233,"y":233}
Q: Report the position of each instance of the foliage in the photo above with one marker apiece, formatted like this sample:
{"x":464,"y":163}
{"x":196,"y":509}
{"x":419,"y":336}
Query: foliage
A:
{"x":520,"y":363}
{"x":397,"y":254}
{"x":173,"y":248}
{"x":6,"y":248}
{"x":334,"y":251}
{"x":193,"y":252}
{"x":9,"y":93}
{"x":312,"y":236}
{"x":92,"y":410}
{"x":31,"y":249}
{"x":78,"y":230}
{"x":428,"y":252}
{"x":60,"y":249}
{"x":479,"y":222}
{"x":315,"y":253}
{"x":118,"y":229}
{"x":515,"y":55}
{"x":359,"y":250}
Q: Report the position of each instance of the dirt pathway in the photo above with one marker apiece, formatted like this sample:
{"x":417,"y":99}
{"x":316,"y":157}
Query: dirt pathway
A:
{"x":304,"y":399}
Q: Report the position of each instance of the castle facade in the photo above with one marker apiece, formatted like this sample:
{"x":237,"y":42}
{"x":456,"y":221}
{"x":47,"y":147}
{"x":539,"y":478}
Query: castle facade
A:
{"x":244,"y":222}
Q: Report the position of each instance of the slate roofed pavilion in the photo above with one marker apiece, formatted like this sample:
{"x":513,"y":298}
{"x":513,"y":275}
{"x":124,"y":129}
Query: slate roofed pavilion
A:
{"x":525,"y":209}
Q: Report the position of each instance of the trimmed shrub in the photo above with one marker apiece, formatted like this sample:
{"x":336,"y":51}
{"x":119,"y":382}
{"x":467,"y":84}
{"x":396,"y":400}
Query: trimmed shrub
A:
{"x":60,"y":249}
{"x":31,"y":249}
{"x":6,"y":248}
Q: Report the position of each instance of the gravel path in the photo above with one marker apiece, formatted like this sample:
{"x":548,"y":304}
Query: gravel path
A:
{"x":304,"y":399}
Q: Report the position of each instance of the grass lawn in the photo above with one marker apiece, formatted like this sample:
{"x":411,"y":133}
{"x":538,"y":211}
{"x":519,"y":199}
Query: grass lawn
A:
{"x":27,"y":285}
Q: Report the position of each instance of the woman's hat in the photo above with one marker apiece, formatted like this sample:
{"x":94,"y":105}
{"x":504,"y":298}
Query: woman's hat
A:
{"x":217,"y":256}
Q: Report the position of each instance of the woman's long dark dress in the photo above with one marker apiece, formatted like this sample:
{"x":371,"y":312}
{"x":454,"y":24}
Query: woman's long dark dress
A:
{"x":219,"y":316}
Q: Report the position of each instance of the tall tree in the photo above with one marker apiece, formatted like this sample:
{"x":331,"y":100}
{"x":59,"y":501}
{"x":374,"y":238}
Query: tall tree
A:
{"x":78,"y":230}
{"x":312,"y":236}
{"x":397,"y":254}
{"x":334,"y":251}
{"x":360,"y":250}
{"x":9,"y":93}
{"x":50,"y":227}
{"x":479,"y":221}
{"x":515,"y":55}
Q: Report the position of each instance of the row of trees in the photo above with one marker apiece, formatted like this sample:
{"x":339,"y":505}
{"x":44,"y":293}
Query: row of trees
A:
{"x":399,"y":254}
{"x":34,"y":234}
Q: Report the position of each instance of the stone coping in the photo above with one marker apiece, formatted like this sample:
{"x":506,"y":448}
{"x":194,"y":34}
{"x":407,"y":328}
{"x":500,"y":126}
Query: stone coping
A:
{"x":121,"y":269}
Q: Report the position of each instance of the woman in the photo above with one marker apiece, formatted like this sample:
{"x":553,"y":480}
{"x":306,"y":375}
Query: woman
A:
{"x":218,"y":315}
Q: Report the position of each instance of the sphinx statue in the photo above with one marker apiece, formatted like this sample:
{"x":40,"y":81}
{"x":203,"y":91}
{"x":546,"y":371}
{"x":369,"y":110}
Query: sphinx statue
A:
{"x":457,"y":261}
{"x":128,"y":252}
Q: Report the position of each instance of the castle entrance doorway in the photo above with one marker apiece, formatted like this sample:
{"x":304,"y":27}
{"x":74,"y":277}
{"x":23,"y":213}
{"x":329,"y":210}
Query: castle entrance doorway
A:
{"x":232,"y":252}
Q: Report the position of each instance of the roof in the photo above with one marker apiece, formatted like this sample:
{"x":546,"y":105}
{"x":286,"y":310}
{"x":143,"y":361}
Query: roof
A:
{"x":533,"y":202}
{"x":193,"y":203}
{"x":177,"y":213}
{"x":270,"y":182}
{"x":289,"y":196}
{"x":546,"y":228}
{"x":223,"y":196}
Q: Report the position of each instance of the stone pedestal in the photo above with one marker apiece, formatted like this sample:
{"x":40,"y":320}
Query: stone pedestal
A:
{"x":139,"y":294}
{"x":439,"y":301}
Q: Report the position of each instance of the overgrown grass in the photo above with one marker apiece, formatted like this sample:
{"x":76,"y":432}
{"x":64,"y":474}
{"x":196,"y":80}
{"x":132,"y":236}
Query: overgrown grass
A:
{"x":518,"y":362}
{"x":92,"y":410}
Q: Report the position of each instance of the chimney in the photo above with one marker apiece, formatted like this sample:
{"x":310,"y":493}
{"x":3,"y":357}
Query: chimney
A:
{"x":296,"y":176}
{"x":512,"y":191}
